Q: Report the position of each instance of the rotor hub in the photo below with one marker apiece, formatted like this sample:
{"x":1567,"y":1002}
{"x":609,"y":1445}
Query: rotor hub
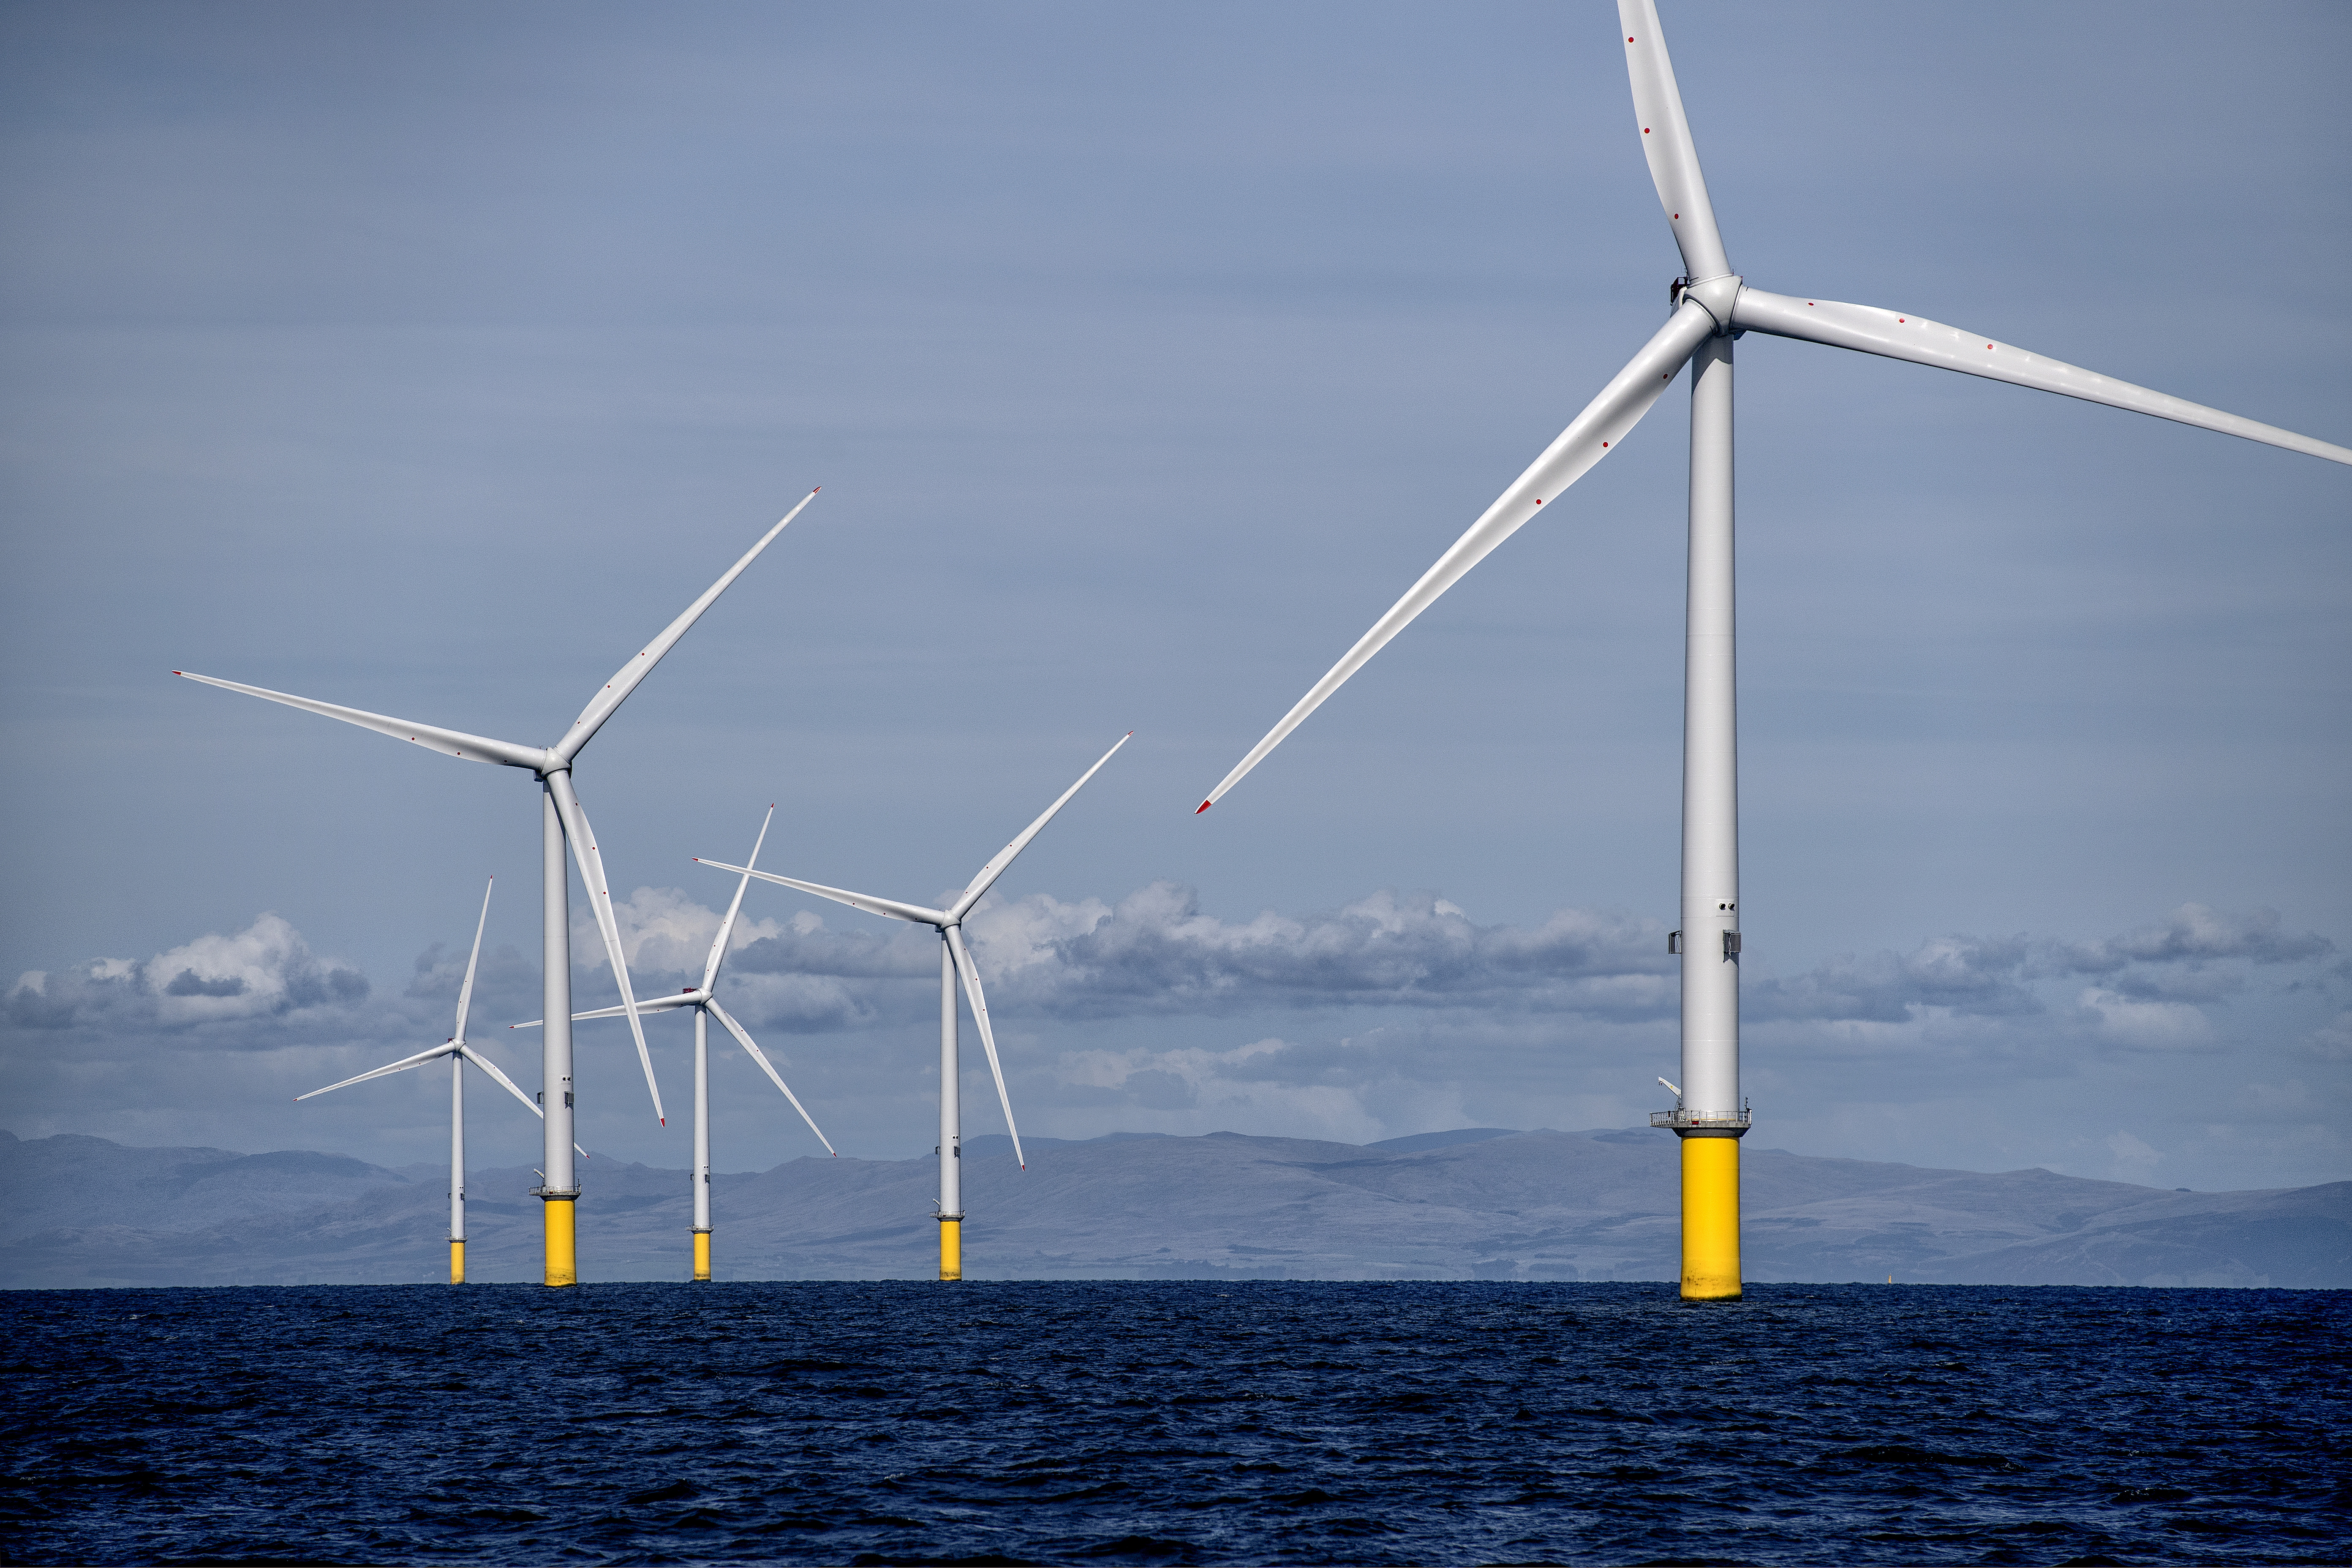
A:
{"x":1715,"y":296}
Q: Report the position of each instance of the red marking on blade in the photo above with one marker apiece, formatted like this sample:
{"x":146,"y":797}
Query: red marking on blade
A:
{"x":1629,"y":40}
{"x":1645,"y":130}
{"x":1988,"y":346}
{"x":1204,"y":806}
{"x":1604,"y":445}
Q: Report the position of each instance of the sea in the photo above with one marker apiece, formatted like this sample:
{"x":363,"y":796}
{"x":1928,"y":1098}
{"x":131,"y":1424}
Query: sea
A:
{"x":1177,"y":1422}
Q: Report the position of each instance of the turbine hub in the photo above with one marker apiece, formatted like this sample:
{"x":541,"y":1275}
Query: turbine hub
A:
{"x":1715,"y":296}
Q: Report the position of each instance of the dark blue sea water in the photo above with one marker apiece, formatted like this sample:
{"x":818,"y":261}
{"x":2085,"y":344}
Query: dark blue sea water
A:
{"x":1089,"y":1422}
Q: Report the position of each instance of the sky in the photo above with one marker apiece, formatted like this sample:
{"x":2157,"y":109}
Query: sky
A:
{"x":429,"y":358}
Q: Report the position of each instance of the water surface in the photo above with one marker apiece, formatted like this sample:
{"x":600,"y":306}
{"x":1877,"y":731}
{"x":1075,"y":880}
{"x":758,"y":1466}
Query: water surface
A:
{"x":1178,"y":1422}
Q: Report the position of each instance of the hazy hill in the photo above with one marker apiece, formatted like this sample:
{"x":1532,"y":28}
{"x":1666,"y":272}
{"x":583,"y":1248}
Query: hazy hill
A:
{"x":1482,"y":1202}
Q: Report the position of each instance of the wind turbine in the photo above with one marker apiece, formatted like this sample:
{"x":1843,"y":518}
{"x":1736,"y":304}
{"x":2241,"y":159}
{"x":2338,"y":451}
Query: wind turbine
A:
{"x":1712,"y":306}
{"x":562,"y":820}
{"x":706,"y":1008}
{"x":955,"y":960}
{"x":459,"y":1053}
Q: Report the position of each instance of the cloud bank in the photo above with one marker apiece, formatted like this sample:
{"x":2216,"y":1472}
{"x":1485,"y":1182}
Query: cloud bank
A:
{"x":1393,"y":1014}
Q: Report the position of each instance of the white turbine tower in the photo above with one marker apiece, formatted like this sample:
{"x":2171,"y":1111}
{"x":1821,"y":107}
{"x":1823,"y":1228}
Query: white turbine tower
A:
{"x":562,"y":821}
{"x":706,"y":1008}
{"x":1713,"y":305}
{"x":955,"y":961}
{"x":459,"y":1053}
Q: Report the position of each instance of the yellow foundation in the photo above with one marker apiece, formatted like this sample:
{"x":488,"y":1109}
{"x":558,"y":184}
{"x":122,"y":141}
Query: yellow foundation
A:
{"x":563,"y":1260}
{"x":951,"y":1249}
{"x":456,"y":1263}
{"x":702,"y":1255}
{"x":1710,"y":1219}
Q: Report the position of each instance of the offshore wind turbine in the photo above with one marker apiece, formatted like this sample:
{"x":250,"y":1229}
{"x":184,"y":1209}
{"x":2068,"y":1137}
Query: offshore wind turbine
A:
{"x":955,"y":961}
{"x":562,"y":821}
{"x":459,"y":1053}
{"x":706,"y":1008}
{"x":1712,"y":306}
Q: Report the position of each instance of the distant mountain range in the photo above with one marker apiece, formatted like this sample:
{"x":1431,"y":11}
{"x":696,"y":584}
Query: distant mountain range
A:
{"x":1484,"y":1203}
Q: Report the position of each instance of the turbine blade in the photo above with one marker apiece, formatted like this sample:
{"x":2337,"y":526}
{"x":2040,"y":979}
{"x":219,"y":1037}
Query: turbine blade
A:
{"x":1587,"y":439}
{"x":1871,"y":331}
{"x":456,"y":742}
{"x":491,"y":1067}
{"x":465,"y":992}
{"x":600,"y":899}
{"x":890,"y":908}
{"x":970,"y":974}
{"x":769,"y":1068}
{"x":1006,"y":857}
{"x":1666,"y":141}
{"x":657,"y":1005}
{"x":418,"y":1060}
{"x":726,"y":926}
{"x":624,"y":679}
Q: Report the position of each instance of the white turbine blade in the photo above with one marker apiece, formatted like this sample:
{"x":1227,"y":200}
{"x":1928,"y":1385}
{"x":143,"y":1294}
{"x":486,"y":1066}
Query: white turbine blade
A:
{"x":970,"y":975}
{"x":657,"y":1005}
{"x":456,"y":742}
{"x":600,"y":899}
{"x":624,"y":679}
{"x":491,"y":1067}
{"x":465,"y":992}
{"x":1868,"y":330}
{"x":890,"y":908}
{"x":418,"y":1060}
{"x":1666,"y":141}
{"x":769,"y":1068}
{"x":1587,"y":439}
{"x":1006,"y":857}
{"x":726,"y":927}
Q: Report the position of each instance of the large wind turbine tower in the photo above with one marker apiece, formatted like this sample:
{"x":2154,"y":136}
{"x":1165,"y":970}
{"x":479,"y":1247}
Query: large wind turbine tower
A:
{"x":1712,"y":306}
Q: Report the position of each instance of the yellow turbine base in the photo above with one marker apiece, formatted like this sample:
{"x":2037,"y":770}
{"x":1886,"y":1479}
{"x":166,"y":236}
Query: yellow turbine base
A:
{"x":951,"y":1249}
{"x":456,"y":1263}
{"x":1710,"y":1219}
{"x":702,"y":1255}
{"x":563,"y":1257}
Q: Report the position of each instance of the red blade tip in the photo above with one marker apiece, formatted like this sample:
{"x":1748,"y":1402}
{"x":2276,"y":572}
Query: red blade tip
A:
{"x":1204,"y":806}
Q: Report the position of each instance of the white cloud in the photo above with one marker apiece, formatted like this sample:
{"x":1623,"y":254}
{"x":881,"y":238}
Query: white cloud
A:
{"x":663,"y":928}
{"x":267,"y":969}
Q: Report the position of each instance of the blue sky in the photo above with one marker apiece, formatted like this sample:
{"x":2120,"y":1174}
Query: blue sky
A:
{"x":428,"y":359}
